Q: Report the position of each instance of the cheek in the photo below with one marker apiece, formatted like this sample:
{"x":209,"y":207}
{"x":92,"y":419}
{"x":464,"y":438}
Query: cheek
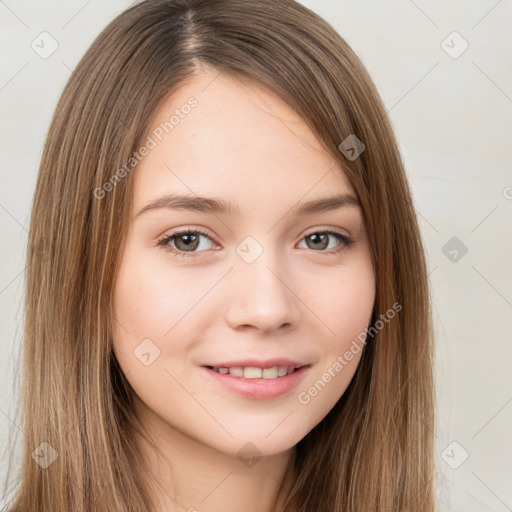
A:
{"x":345,"y":308}
{"x":150,"y":332}
{"x":344,"y":303}
{"x":149,"y":302}
{"x":352,"y":307}
{"x":151,"y":298}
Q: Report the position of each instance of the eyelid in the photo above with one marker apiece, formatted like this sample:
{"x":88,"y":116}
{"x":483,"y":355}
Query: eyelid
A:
{"x":184,"y":231}
{"x":324,"y":229}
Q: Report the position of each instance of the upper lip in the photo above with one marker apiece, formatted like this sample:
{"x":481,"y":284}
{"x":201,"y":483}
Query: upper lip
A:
{"x":259,"y":363}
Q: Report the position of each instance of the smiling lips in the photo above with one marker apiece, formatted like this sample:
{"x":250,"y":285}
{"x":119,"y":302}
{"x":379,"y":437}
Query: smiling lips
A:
{"x":255,"y":369}
{"x":253,"y":372}
{"x":259,"y":380}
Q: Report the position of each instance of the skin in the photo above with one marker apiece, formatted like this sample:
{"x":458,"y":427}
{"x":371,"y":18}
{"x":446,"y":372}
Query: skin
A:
{"x":243,"y":144}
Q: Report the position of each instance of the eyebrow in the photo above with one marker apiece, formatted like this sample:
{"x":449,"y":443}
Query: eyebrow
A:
{"x":222,"y":207}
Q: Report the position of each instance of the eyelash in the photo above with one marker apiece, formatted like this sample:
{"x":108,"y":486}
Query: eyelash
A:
{"x":163,"y":243}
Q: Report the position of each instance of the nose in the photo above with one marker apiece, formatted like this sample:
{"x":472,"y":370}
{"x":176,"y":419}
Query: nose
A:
{"x":262,"y":296}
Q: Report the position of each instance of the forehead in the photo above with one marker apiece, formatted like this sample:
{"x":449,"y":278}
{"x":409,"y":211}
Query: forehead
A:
{"x":238,"y":141}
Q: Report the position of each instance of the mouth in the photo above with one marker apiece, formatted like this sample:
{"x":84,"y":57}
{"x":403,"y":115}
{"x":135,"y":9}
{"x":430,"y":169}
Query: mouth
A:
{"x":256,"y":372}
{"x":257,"y":382}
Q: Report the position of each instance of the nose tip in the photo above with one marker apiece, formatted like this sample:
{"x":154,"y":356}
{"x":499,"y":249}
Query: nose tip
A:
{"x":262,"y":299}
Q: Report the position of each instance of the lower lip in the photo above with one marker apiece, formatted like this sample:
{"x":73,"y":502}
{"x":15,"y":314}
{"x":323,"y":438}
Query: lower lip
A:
{"x":259,"y":389}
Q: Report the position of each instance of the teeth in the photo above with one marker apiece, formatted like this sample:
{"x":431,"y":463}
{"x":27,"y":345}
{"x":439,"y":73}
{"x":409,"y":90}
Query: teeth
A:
{"x":237,"y":371}
{"x":282,"y":370}
{"x":270,"y":373}
{"x":252,"y":372}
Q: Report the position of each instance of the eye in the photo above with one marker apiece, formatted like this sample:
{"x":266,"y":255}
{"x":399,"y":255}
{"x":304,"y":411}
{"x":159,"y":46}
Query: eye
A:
{"x":184,"y":243}
{"x":319,"y":240}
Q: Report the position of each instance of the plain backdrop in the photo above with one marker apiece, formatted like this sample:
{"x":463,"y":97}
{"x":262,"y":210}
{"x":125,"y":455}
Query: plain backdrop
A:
{"x":444,"y":72}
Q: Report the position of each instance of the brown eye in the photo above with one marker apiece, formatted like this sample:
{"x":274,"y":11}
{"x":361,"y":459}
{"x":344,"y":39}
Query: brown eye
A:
{"x":187,"y":241}
{"x":320,"y":240}
{"x":184,"y":243}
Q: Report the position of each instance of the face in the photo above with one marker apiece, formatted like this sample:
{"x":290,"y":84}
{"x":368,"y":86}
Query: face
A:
{"x":258,"y":288}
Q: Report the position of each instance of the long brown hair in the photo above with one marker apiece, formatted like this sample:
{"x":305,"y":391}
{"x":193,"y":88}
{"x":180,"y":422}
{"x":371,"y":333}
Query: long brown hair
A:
{"x":374,"y":450}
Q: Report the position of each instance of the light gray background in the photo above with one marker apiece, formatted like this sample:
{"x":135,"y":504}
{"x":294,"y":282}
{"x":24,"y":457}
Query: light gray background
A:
{"x":452,"y":114}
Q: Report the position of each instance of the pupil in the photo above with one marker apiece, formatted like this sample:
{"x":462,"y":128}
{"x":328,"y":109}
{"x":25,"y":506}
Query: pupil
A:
{"x":187,"y":240}
{"x":316,"y":238}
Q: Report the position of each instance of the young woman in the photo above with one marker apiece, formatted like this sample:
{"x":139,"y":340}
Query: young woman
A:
{"x":227,"y":304}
